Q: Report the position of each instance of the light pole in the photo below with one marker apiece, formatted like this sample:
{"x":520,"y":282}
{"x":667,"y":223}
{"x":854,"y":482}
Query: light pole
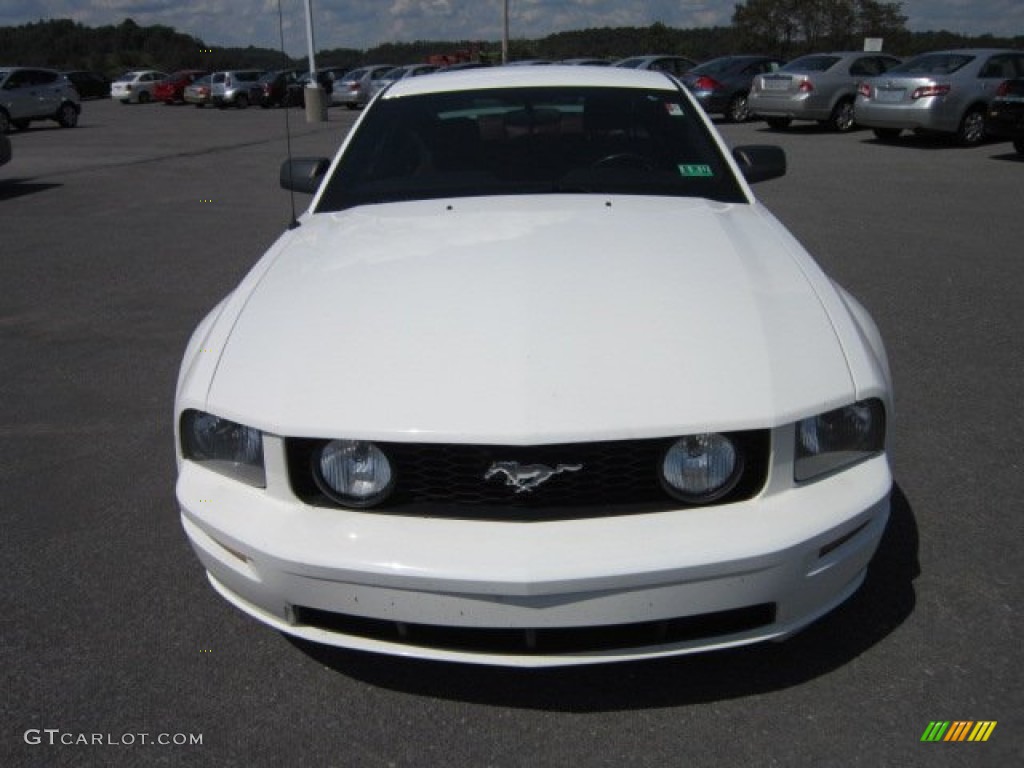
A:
{"x":504,"y":36}
{"x":316,"y":106}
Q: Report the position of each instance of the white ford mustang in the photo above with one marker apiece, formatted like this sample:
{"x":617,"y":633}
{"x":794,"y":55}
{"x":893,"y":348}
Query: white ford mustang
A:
{"x":535,"y":381}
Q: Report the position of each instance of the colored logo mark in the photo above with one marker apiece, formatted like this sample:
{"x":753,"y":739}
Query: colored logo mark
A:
{"x":958,"y":730}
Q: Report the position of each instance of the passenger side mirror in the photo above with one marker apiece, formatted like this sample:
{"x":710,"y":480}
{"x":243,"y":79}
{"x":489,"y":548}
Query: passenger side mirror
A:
{"x":760,"y":162}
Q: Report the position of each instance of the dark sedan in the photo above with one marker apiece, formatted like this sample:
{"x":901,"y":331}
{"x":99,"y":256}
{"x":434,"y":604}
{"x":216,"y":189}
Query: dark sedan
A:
{"x":276,"y":89}
{"x":723,"y":84}
{"x":90,"y":85}
{"x":1005,"y":118}
{"x":296,"y":89}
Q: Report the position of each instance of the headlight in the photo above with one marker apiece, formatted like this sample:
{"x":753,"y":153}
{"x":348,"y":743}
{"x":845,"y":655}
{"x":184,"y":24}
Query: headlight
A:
{"x":223,"y":446}
{"x":353,"y":472}
{"x":839,"y":438}
{"x":701,"y":468}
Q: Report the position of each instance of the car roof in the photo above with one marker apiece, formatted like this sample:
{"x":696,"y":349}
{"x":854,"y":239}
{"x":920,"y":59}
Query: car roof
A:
{"x":970,"y":51}
{"x":525,"y":77}
{"x":842,"y":53}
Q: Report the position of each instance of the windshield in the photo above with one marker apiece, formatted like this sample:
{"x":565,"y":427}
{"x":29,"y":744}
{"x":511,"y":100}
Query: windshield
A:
{"x":530,"y":141}
{"x":932,"y":64}
{"x":717,"y":66}
{"x":811,"y":64}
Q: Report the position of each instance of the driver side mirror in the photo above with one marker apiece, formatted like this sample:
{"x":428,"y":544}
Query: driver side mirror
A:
{"x":304,"y":174}
{"x":760,"y":162}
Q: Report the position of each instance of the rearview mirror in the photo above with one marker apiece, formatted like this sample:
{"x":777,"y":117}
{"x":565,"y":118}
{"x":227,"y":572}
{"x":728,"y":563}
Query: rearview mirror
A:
{"x":304,"y":174}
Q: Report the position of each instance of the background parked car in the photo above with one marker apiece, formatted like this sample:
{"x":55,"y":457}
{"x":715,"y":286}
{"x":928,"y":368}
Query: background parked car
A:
{"x":328,"y":76}
{"x":400,"y":73}
{"x":172,"y":89}
{"x":199,"y":92}
{"x":236,"y":88}
{"x":587,"y":61}
{"x":90,"y":85}
{"x":275,"y":90}
{"x":819,"y":86}
{"x":353,"y":90}
{"x":1006,"y":113}
{"x":136,"y":86}
{"x":674,"y":65}
{"x":297,"y":89}
{"x":28,"y":93}
{"x":944,"y":91}
{"x":722,"y":85}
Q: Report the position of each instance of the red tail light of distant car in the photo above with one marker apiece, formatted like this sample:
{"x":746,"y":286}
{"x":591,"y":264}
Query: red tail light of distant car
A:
{"x":930,"y":90}
{"x":705,"y":83}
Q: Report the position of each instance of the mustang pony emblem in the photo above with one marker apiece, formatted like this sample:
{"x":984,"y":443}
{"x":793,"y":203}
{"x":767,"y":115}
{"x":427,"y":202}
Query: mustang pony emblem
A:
{"x":526,"y":477}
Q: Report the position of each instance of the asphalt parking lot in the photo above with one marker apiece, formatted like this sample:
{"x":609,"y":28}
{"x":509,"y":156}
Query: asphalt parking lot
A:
{"x":116,"y":237}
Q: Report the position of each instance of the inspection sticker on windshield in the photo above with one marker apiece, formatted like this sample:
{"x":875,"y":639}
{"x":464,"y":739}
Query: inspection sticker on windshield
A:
{"x":695,"y":170}
{"x":673,"y":109}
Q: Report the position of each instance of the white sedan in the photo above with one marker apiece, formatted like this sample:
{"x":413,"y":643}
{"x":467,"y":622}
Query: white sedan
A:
{"x":136,"y":86}
{"x":535,"y":381}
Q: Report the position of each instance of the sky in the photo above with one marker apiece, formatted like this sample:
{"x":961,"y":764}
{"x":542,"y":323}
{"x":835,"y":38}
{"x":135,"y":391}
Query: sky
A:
{"x":363,"y":24}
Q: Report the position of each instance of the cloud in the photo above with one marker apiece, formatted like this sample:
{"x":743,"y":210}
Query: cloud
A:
{"x":365,"y":23}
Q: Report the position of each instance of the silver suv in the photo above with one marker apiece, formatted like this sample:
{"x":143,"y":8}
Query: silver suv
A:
{"x":236,"y":87}
{"x":28,"y":94}
{"x":820,"y":86}
{"x":944,"y":91}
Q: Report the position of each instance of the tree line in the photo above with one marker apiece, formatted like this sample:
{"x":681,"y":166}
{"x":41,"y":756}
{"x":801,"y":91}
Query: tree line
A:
{"x":785,"y":28}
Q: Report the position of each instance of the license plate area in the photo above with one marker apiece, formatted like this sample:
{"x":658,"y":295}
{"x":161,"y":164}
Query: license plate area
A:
{"x":890,"y":95}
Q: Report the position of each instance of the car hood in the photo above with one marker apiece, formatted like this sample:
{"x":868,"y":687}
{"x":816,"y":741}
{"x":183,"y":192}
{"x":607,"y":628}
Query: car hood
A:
{"x":531,"y":320}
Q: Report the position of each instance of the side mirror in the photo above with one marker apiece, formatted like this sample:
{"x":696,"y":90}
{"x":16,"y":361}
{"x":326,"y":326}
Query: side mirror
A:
{"x":760,"y":162}
{"x":304,"y":174}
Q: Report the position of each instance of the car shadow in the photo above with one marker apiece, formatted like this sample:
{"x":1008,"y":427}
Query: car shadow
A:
{"x":806,"y":128}
{"x":927,"y":141}
{"x":1010,"y":157}
{"x":12,"y":188}
{"x":45,"y":127}
{"x":882,"y":604}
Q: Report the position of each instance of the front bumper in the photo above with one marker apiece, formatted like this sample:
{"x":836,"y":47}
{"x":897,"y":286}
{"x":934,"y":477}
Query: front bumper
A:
{"x":1005,"y":123}
{"x":541,"y":593}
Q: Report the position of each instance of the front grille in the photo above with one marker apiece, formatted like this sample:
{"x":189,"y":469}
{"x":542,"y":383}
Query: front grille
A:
{"x":544,"y":640}
{"x":448,"y":480}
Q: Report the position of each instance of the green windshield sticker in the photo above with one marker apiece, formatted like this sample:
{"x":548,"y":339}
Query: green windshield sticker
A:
{"x":695,"y":170}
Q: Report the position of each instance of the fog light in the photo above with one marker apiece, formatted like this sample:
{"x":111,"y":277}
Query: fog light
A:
{"x":701,"y":468}
{"x":355,"y":473}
